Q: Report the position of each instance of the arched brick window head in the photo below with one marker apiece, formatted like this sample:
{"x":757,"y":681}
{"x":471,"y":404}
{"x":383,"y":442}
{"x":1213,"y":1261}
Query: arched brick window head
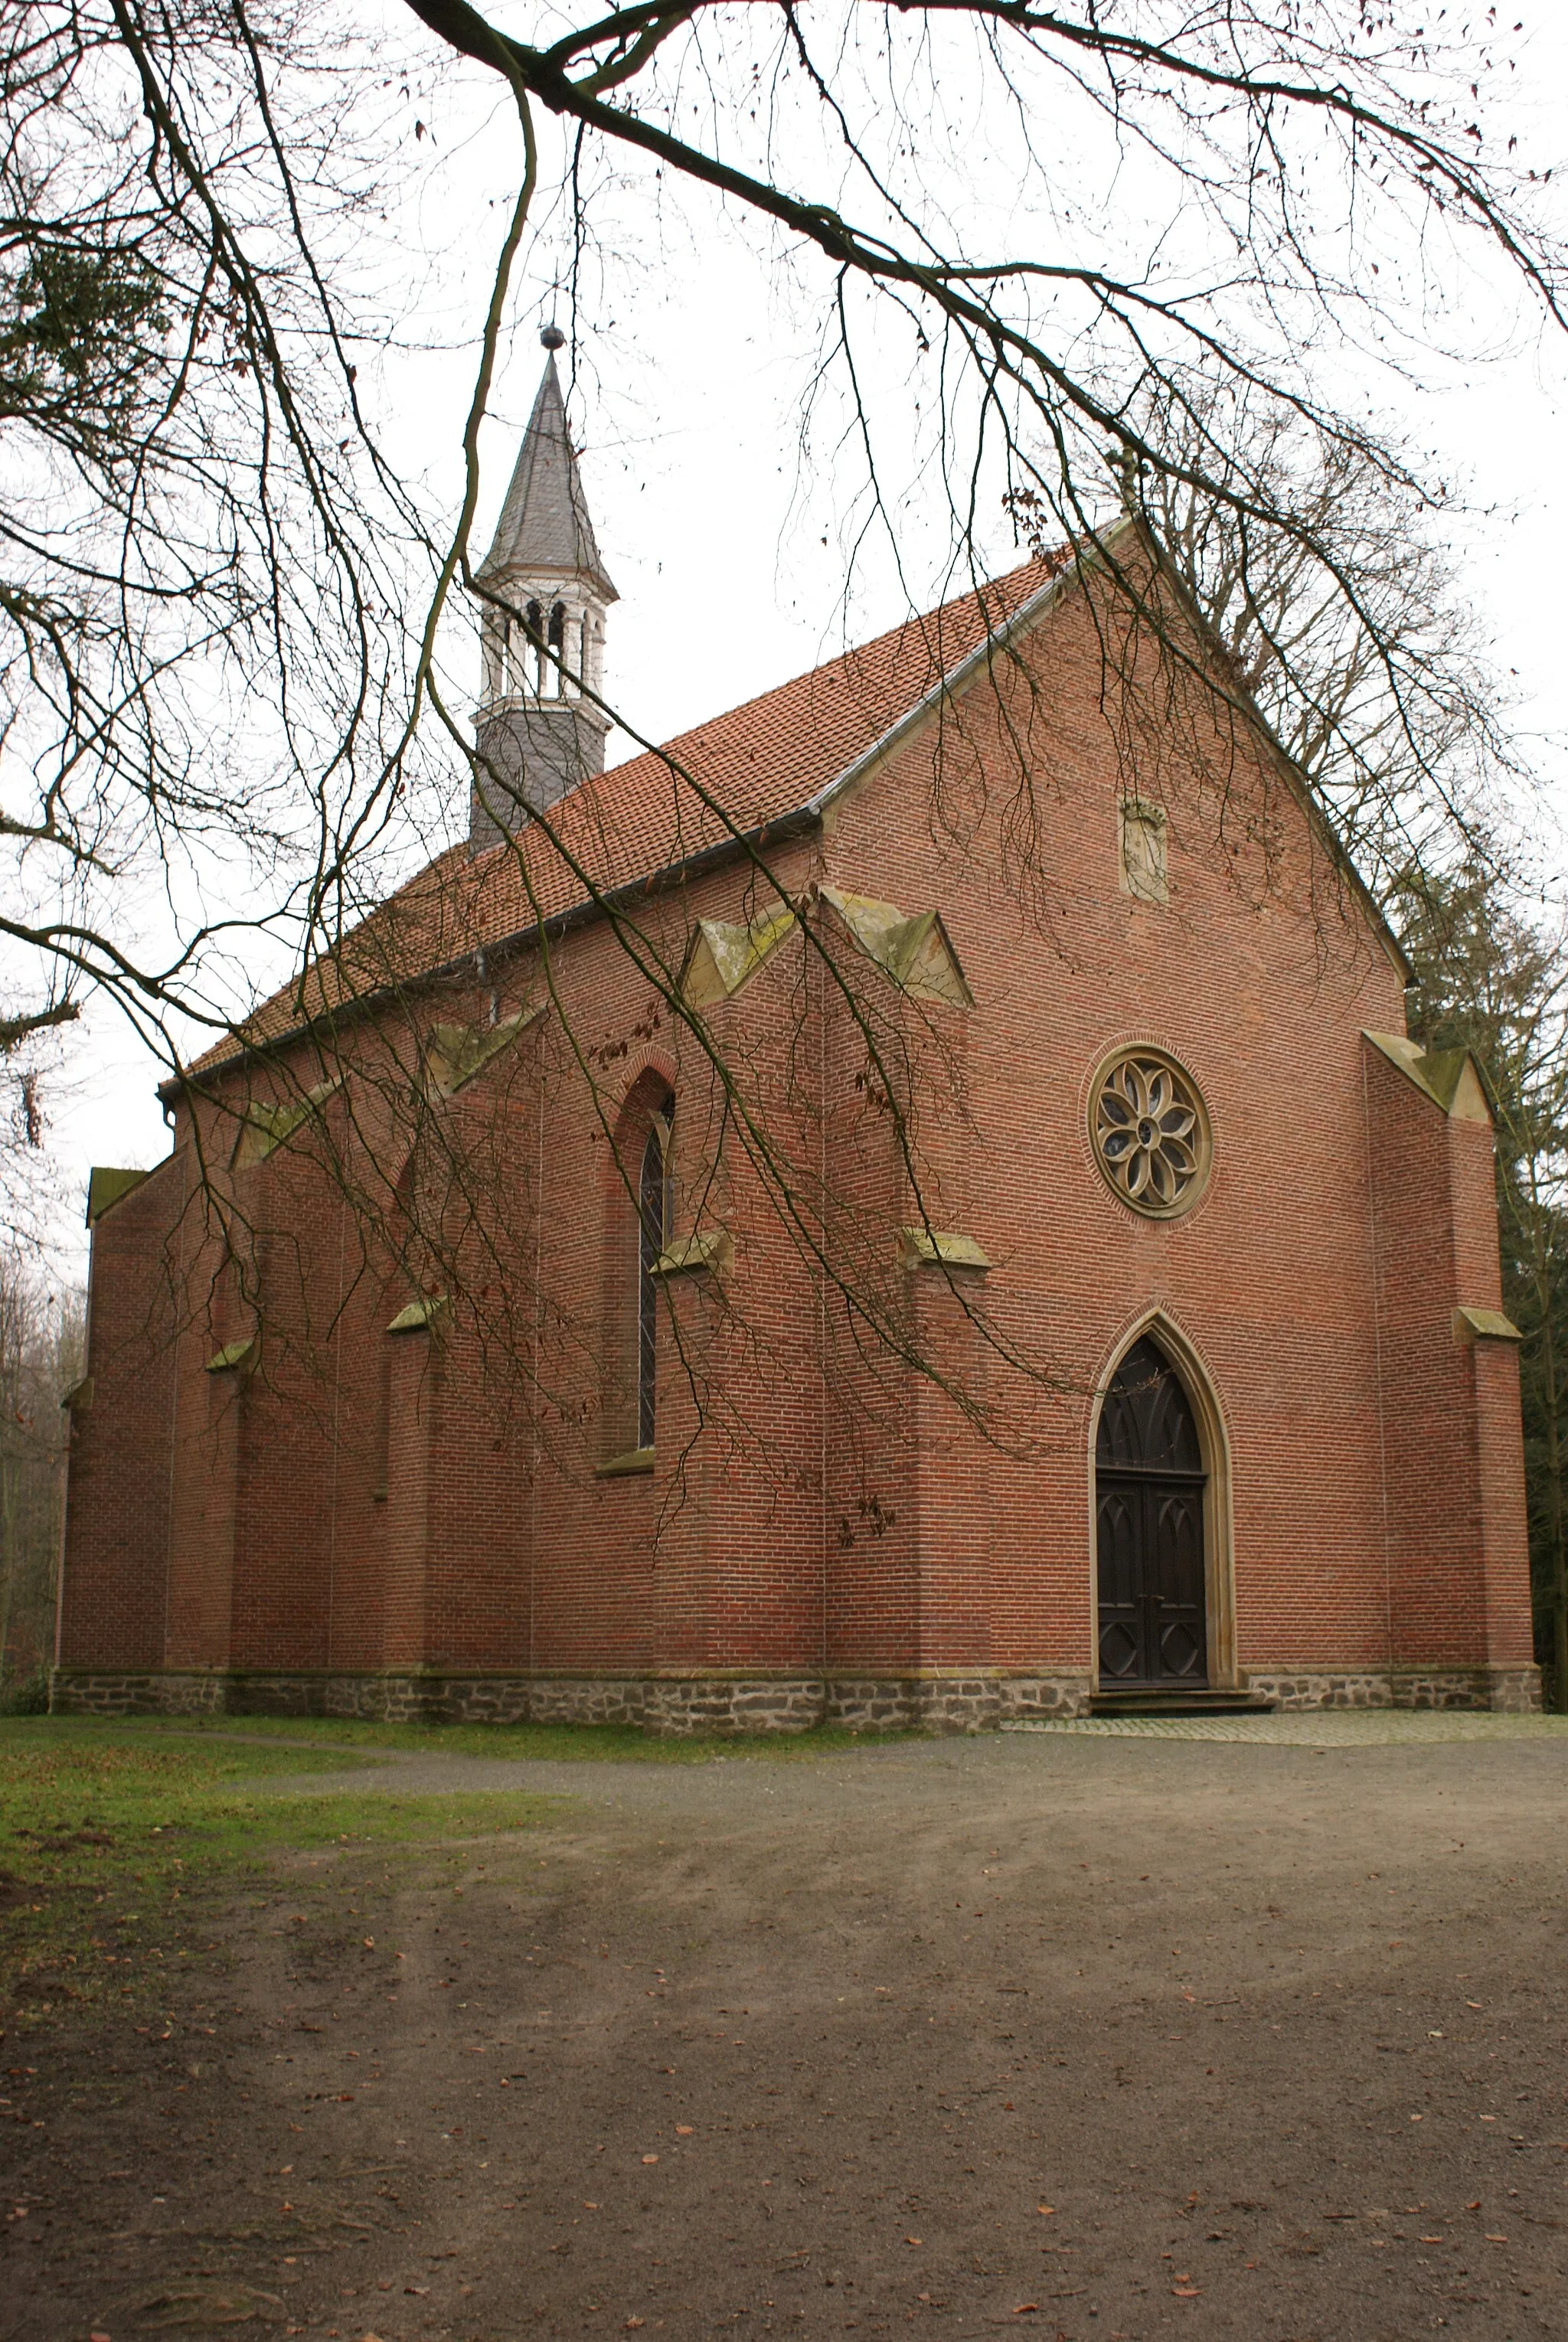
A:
{"x":653,"y":1239}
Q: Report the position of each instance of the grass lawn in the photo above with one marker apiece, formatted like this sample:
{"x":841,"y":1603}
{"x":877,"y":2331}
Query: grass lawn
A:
{"x":557,"y":1743}
{"x":116,"y":1837}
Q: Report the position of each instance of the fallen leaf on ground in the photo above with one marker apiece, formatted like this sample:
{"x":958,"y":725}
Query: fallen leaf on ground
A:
{"x":207,"y":2305}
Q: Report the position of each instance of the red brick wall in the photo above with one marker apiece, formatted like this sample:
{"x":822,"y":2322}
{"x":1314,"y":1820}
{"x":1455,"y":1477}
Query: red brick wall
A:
{"x":116,"y":1546}
{"x":819,"y":1500}
{"x":1259,"y":980}
{"x":1458,"y":1566}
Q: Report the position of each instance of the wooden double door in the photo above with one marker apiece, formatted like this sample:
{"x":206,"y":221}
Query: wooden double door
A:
{"x":1149,"y":1487}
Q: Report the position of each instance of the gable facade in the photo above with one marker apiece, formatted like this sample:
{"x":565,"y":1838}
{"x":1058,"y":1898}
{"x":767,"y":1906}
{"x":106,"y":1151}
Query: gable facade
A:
{"x":709,"y":1301}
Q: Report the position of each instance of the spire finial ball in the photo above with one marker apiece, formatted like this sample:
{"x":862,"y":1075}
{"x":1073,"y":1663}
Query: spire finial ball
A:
{"x":552,"y":338}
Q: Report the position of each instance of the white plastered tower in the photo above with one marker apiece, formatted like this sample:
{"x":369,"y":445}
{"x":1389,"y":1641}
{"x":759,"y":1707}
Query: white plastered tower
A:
{"x":538,"y":731}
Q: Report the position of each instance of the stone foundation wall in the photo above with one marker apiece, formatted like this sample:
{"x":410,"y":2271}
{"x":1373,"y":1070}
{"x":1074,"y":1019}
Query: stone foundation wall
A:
{"x":677,"y":1707}
{"x":957,"y":1704}
{"x":77,"y":1692}
{"x":1506,"y":1691}
{"x":670,"y":1706}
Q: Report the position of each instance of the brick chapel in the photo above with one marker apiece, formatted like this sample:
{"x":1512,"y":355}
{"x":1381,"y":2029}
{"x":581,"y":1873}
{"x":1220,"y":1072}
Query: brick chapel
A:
{"x":912,"y":1204}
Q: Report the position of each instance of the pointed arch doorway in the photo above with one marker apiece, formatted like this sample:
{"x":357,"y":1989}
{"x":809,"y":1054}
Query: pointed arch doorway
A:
{"x":1151,"y":1510}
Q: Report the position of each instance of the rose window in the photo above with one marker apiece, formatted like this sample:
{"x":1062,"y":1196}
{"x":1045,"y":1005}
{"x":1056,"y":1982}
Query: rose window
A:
{"x":1151,"y":1132}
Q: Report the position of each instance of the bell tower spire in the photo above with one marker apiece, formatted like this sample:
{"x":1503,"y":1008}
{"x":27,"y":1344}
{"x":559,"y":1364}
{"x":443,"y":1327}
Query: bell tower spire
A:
{"x":543,"y":634}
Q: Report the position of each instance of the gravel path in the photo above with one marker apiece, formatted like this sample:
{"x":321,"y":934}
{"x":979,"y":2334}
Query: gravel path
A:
{"x":739,"y":1776}
{"x":1084,"y":2033}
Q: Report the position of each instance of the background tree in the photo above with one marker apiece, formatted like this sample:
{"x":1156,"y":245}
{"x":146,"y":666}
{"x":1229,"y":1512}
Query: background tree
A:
{"x":230,"y":627}
{"x":204,"y":610}
{"x":1494,"y":979}
{"x":40,"y":1357}
{"x":221,"y":605}
{"x":1356,"y":638}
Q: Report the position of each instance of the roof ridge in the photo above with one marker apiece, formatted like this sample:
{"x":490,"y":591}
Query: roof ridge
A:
{"x":645,"y":817}
{"x":873,"y":642}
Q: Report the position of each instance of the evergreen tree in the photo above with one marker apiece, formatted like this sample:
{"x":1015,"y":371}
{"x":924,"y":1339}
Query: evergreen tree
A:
{"x":1492,"y":980}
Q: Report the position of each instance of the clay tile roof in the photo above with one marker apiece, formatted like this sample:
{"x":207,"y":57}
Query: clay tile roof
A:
{"x":760,"y":762}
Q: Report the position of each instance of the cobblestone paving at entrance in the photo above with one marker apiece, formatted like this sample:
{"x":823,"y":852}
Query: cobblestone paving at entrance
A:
{"x":1380,"y":1727}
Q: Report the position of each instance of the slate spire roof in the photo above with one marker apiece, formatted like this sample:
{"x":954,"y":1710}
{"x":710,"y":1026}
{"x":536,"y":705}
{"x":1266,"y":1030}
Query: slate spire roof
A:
{"x":544,"y":523}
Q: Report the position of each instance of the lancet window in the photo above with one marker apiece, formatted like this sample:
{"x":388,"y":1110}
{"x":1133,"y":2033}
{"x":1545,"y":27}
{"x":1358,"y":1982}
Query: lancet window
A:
{"x":652,"y":1240}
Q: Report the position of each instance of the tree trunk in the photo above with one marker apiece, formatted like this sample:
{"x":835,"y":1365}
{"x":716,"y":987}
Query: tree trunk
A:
{"x":1558,"y":1579}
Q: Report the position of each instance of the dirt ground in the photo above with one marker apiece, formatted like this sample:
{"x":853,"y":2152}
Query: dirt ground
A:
{"x":1086,"y":2037}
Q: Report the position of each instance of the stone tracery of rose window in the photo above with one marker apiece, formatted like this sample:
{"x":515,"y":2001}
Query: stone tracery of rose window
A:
{"x":1151,"y":1132}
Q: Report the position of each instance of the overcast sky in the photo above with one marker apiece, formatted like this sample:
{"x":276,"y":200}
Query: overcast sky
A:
{"x":688,"y":402}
